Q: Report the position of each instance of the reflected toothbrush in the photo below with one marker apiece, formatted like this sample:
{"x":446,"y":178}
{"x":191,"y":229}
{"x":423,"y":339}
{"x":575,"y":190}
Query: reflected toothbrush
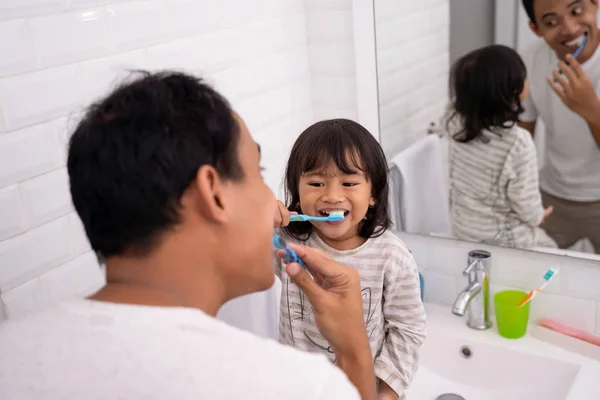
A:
{"x":550,"y":273}
{"x":577,"y":52}
{"x":334,"y":216}
{"x":581,"y":46}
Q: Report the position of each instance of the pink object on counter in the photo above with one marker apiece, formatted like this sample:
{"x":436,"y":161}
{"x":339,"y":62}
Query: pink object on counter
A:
{"x":572,"y":332}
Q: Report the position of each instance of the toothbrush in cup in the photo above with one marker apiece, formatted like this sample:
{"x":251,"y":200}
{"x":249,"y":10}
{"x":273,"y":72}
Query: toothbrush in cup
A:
{"x":550,"y":273}
{"x":334,"y":216}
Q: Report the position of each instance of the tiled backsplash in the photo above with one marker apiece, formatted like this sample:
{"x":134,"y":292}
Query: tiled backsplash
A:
{"x":572,"y":297}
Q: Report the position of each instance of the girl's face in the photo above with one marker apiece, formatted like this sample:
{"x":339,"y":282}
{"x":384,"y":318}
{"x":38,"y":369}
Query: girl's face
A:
{"x":329,"y":189}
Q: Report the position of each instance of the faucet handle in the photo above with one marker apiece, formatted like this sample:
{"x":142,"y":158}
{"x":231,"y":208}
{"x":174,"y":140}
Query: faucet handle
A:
{"x":470,"y":268}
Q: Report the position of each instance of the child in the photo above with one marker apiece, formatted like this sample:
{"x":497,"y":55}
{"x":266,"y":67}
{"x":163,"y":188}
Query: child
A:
{"x":493,"y":165}
{"x":338,"y":165}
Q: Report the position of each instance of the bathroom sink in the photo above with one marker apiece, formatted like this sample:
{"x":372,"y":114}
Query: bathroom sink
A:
{"x":451,"y":363}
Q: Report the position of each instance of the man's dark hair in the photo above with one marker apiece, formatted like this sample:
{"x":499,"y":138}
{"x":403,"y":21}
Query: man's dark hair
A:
{"x":528,"y":5}
{"x":352,"y":148}
{"x":135,"y":152}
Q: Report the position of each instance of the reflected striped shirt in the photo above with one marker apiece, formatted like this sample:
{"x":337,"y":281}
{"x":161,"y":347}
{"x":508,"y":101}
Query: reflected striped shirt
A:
{"x":494,"y":189}
{"x":393,"y":311}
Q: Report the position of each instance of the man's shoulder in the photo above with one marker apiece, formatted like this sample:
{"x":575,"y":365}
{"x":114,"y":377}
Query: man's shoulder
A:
{"x":537,"y":54}
{"x":196,"y":351}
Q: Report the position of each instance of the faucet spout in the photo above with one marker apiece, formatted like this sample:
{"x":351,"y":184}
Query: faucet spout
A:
{"x":464,"y":298}
{"x":474,"y":300}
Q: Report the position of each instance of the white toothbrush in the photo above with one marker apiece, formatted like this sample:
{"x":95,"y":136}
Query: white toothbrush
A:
{"x":550,"y":273}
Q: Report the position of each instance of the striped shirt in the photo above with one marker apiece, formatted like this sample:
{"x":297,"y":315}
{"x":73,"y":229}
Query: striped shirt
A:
{"x":393,"y":311}
{"x":494,"y":190}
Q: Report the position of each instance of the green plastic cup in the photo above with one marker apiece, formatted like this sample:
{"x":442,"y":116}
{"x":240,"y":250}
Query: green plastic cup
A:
{"x":510,"y":319}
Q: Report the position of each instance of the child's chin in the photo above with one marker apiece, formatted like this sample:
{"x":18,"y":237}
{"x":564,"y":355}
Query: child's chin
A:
{"x":333,"y":231}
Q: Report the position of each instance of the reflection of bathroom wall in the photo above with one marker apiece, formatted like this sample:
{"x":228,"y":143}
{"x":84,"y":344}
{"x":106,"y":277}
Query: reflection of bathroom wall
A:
{"x":572,"y":298}
{"x":412,"y":67}
{"x":471,"y":26}
{"x":255,"y":52}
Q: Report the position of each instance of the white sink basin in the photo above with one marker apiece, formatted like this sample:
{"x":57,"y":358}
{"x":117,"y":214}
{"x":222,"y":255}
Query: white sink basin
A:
{"x":491,"y":372}
{"x":496,"y":368}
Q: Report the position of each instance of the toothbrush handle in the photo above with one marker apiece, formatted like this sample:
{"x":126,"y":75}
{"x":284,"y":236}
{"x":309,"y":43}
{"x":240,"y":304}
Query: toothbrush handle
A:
{"x":305,"y":218}
{"x":529,"y":297}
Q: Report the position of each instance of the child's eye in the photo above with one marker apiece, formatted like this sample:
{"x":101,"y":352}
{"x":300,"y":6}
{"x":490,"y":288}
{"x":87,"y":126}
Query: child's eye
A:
{"x":316,"y":184}
{"x":577,"y":10}
{"x":350,"y":184}
{"x":551,"y":23}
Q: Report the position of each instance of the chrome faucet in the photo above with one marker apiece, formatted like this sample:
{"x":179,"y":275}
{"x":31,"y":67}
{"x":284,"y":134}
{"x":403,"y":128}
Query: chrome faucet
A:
{"x":475,"y":297}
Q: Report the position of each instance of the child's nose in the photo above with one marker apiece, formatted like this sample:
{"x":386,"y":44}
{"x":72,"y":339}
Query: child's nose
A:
{"x":333,"y":194}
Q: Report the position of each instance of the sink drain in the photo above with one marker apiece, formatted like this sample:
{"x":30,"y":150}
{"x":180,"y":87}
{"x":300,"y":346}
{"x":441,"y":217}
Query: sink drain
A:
{"x":450,"y":396}
{"x":466,"y":352}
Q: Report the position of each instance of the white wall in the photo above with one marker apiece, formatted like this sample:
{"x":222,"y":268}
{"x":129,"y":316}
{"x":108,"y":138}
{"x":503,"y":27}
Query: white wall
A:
{"x":572,"y":297}
{"x":413,"y":65}
{"x":56,"y":56}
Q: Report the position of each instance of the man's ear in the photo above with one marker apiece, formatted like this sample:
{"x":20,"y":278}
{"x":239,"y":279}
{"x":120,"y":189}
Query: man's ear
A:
{"x":209,"y":195}
{"x":534,"y":29}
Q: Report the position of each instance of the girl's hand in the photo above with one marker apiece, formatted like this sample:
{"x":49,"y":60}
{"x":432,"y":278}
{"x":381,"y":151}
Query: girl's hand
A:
{"x":547,"y":212}
{"x":282,"y":215}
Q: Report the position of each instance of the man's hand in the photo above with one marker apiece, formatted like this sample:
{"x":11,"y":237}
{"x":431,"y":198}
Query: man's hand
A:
{"x":333,"y":290}
{"x":575,"y":89}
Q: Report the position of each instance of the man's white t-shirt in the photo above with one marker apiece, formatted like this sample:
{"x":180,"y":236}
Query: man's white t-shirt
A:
{"x":93,"y":350}
{"x":572,"y":158}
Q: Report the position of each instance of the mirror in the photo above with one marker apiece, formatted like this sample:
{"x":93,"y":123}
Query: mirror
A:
{"x":497,"y":188}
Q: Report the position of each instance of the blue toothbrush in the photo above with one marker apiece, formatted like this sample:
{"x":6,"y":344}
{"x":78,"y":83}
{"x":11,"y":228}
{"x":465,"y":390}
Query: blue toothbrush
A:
{"x":334,"y":216}
{"x":577,"y":52}
{"x":289,"y":254}
{"x":581,"y":46}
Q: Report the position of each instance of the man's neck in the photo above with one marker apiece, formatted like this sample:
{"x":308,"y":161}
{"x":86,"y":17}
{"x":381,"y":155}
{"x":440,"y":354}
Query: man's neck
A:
{"x":172,"y":276}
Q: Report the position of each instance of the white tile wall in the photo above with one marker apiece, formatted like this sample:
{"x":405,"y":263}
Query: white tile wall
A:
{"x":11,"y":217}
{"x":25,"y":256}
{"x":17,"y":53}
{"x":413,"y":66}
{"x":332,"y":62}
{"x":23,"y":8}
{"x":571,"y":298}
{"x":32,"y":98}
{"x":46,"y":197}
{"x":82,"y":35}
{"x":57,"y":56}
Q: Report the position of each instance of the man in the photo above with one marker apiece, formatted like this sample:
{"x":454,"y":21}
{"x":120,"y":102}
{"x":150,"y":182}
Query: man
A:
{"x":564,"y":94}
{"x":167,"y":182}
